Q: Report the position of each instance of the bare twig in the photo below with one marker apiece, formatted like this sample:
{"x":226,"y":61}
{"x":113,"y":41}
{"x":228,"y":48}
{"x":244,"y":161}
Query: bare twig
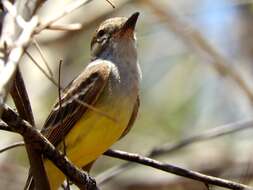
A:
{"x":21,"y":99}
{"x":10,"y":29}
{"x":206,"y":135}
{"x":14,"y":13}
{"x":59,"y":95}
{"x":40,"y":143}
{"x":22,"y":103}
{"x":68,"y":9}
{"x":5,"y":127}
{"x":15,"y":54}
{"x":169,"y":148}
{"x":177,"y":170}
{"x":194,"y":38}
{"x":11,"y":146}
{"x":49,"y":77}
{"x":61,"y":117}
{"x":66,"y":27}
{"x":115,"y":154}
{"x":223,"y":166}
{"x":14,"y":57}
{"x":213,"y":133}
{"x":113,"y":6}
{"x":43,"y":57}
{"x":96,"y":110}
{"x":90,"y":22}
{"x":20,"y":33}
{"x":162,"y":166}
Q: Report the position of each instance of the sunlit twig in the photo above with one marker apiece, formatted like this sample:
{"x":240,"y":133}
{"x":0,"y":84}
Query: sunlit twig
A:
{"x":65,"y":27}
{"x":68,"y":9}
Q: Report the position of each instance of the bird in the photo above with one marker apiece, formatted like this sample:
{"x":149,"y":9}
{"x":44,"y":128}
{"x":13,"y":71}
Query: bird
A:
{"x":100,"y":105}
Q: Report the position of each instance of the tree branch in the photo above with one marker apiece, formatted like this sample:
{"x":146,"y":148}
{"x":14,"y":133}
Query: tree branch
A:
{"x":22,"y":103}
{"x":171,"y":147}
{"x":11,"y":146}
{"x":180,"y":171}
{"x":21,"y":37}
{"x":206,"y":135}
{"x":177,"y":170}
{"x":7,"y":73}
{"x":40,"y":143}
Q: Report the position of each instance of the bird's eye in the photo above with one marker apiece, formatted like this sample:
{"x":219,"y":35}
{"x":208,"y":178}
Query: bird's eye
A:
{"x":100,"y":33}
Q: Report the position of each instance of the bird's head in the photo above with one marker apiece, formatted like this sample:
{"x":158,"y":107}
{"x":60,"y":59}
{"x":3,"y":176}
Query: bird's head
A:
{"x":114,"y":37}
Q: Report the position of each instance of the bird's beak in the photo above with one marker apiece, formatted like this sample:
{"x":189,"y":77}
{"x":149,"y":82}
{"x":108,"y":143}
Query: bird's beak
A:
{"x":129,"y":26}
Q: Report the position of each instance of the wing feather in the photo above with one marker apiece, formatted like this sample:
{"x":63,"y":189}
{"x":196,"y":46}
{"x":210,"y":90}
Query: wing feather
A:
{"x":87,"y":88}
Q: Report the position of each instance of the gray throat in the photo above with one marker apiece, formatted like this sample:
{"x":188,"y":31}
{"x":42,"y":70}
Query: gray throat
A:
{"x":123,"y":55}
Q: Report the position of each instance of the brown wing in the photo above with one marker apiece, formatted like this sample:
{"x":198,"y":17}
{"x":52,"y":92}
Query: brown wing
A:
{"x":132,"y":118}
{"x":86,"y":88}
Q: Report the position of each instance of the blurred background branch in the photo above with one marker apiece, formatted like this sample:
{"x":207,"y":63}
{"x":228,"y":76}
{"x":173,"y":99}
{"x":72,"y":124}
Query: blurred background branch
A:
{"x":170,"y":148}
{"x":194,"y":38}
{"x":14,"y":34}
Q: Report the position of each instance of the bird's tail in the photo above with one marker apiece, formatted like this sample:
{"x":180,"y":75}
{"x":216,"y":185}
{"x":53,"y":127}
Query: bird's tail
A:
{"x":30,"y":181}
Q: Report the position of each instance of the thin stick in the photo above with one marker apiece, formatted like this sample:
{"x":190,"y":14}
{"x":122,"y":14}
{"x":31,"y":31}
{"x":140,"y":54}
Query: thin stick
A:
{"x":113,"y":6}
{"x":43,"y":57}
{"x":41,"y":69}
{"x":17,"y":124}
{"x":169,"y":148}
{"x":68,"y":9}
{"x":66,"y":27}
{"x":176,"y":170}
{"x":21,"y":100}
{"x":14,"y":13}
{"x":59,"y":97}
{"x":206,"y":135}
{"x":164,"y":167}
{"x":96,"y":110}
{"x":60,"y":104}
{"x":19,"y":38}
{"x":7,"y":73}
{"x":11,"y":146}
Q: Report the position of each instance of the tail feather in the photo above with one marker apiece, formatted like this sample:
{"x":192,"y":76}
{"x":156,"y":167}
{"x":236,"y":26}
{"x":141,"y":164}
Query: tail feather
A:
{"x":30,"y":180}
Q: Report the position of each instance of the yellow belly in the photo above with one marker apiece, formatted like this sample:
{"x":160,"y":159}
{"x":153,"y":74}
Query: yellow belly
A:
{"x":90,"y":137}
